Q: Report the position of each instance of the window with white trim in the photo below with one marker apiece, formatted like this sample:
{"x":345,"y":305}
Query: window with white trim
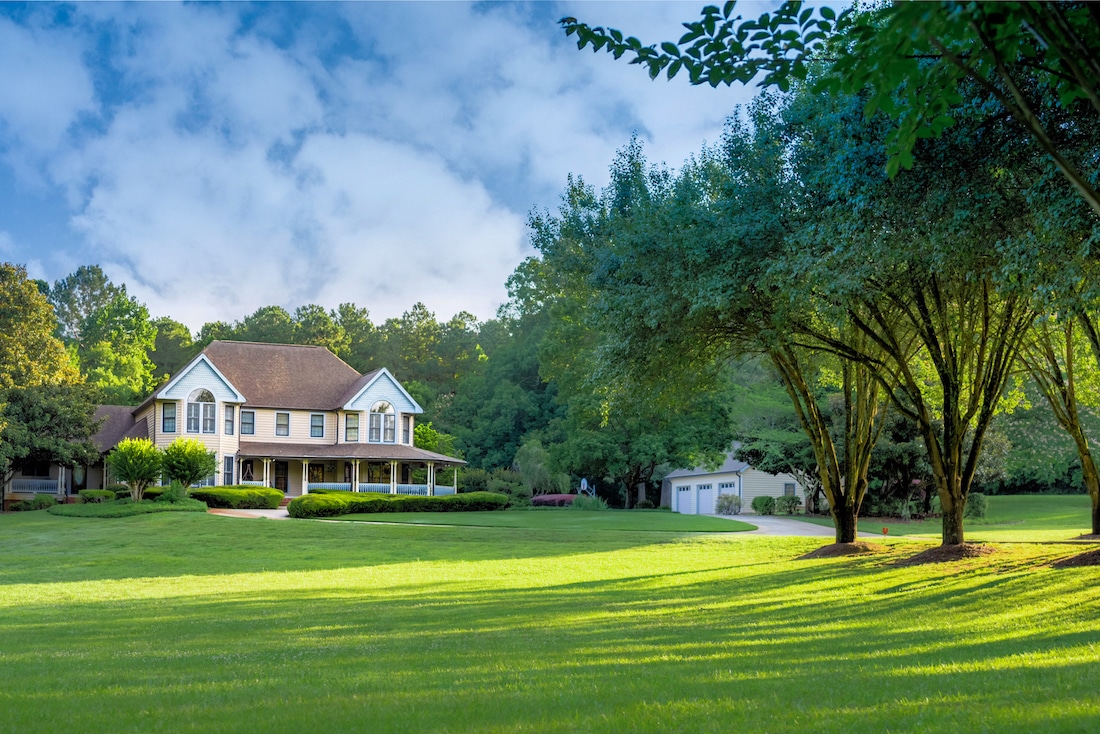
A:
{"x":406,"y":430}
{"x":248,"y":423}
{"x":788,"y":489}
{"x":227,"y":471}
{"x":282,"y":424}
{"x":383,"y":423}
{"x":200,"y":412}
{"x":316,"y":425}
{"x":229,"y":420}
{"x":351,"y":428}
{"x":168,"y":418}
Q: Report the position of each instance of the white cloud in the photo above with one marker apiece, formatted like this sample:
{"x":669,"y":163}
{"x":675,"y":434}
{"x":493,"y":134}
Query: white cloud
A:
{"x":291,"y":160}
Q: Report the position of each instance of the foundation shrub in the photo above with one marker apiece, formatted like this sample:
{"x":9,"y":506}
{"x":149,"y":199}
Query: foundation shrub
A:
{"x":763,"y":505}
{"x":96,"y":496}
{"x":39,"y":502}
{"x":728,"y":504}
{"x":788,"y":505}
{"x":121,"y":490}
{"x":332,"y":504}
{"x":240,"y":498}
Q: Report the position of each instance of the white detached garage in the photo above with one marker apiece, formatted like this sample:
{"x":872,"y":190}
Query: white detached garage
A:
{"x":694,"y":491}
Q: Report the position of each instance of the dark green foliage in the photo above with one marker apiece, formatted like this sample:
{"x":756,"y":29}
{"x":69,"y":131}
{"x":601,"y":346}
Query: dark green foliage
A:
{"x":763,"y":505}
{"x":96,"y":496}
{"x":50,"y":424}
{"x":585,"y":503}
{"x":976,"y":505}
{"x":39,"y":502}
{"x":788,"y":505}
{"x":331,"y":504}
{"x":239,"y":498}
{"x":120,"y":490}
{"x":127,"y":508}
{"x":644,"y":505}
{"x":173,"y":347}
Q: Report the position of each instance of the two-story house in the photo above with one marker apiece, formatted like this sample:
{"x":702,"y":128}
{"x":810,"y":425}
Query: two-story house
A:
{"x":286,"y":416}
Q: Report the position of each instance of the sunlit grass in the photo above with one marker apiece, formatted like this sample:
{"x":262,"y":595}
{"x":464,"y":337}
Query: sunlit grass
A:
{"x":203,"y":623}
{"x":1010,"y":518}
{"x":565,"y":519}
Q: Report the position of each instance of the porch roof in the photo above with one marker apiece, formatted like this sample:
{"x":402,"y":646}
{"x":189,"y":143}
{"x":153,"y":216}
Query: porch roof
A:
{"x":362,"y":451}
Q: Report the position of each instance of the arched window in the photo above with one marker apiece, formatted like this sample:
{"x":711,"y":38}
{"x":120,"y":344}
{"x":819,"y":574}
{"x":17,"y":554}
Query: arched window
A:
{"x":383,"y":423}
{"x":200,"y":412}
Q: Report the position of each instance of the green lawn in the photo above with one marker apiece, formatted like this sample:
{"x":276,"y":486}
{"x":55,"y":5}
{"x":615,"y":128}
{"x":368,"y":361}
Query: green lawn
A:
{"x":192,"y":622}
{"x":1010,"y":518}
{"x":565,"y":519}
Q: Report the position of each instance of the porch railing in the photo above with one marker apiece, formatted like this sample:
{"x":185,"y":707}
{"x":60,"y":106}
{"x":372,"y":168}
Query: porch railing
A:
{"x":250,"y":483}
{"x":345,"y":486}
{"x":384,"y":488}
{"x":440,"y":491}
{"x":36,"y":486}
{"x":420,"y":490}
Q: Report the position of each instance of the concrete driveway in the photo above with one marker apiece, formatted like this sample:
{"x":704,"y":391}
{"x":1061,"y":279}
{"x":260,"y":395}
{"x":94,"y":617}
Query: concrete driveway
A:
{"x":772,"y":525}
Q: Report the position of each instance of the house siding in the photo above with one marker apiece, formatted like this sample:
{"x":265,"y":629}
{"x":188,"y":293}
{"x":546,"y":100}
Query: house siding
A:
{"x":201,"y":375}
{"x":748,"y":484}
{"x":383,"y":388}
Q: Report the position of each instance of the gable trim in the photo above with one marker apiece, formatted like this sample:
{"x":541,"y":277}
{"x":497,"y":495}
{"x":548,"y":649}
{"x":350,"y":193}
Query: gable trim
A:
{"x":386,"y":372}
{"x":161,"y":394}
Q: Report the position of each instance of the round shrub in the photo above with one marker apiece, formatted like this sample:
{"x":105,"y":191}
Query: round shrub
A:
{"x":644,"y":505}
{"x":728,"y":504}
{"x":976,"y":506}
{"x":96,"y":496}
{"x":39,"y":502}
{"x":763,"y":505}
{"x":788,"y":504}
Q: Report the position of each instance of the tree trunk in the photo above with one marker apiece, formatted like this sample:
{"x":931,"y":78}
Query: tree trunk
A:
{"x":952,"y":520}
{"x":845,"y":519}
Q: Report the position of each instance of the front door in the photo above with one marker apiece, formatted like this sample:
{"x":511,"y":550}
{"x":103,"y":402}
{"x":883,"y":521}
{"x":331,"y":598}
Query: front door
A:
{"x":282,"y":472}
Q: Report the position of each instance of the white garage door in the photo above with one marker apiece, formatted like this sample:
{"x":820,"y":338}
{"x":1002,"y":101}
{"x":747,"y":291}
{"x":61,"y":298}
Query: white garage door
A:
{"x":705,"y":502}
{"x":683,"y":500}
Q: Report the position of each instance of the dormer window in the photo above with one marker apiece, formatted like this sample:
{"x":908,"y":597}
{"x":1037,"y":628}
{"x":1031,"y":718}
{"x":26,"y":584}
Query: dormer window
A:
{"x":383,"y":423}
{"x":200,"y":412}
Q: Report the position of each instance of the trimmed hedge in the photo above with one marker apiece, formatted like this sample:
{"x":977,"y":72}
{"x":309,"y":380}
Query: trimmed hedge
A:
{"x":334,"y":503}
{"x":39,"y":502}
{"x":763,"y":505}
{"x":242,"y":498}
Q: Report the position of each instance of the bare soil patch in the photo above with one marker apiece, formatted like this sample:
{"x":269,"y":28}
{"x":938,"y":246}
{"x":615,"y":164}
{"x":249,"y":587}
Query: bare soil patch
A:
{"x":947,"y":553}
{"x":1094,"y":538}
{"x":1091,"y":558}
{"x":835,"y":550}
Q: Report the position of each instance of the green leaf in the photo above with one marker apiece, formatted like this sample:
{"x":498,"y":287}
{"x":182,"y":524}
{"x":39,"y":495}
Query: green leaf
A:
{"x":671,"y":49}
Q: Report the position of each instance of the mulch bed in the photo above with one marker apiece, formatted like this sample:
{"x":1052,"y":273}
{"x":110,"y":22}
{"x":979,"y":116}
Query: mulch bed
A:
{"x":947,"y":553}
{"x":1091,"y":558}
{"x":835,"y":550}
{"x":553,"y":500}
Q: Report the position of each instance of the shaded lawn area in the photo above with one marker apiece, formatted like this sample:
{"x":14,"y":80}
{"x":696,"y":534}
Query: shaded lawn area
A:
{"x":1010,"y":518}
{"x":564,"y":519}
{"x":200,"y":623}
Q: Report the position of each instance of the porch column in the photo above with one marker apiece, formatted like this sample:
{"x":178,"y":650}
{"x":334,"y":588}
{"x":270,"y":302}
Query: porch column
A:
{"x":393,"y":477}
{"x":355,"y":476}
{"x":431,"y":478}
{"x":61,"y":479}
{"x":266,"y":480}
{"x":455,"y":485}
{"x":305,"y":476}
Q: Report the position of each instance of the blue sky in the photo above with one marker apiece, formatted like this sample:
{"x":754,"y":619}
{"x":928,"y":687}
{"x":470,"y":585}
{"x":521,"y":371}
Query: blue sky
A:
{"x":218,"y":158}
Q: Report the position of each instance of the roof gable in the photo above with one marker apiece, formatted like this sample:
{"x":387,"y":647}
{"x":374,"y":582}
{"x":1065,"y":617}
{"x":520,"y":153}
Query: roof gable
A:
{"x":381,"y":385}
{"x":200,"y":373}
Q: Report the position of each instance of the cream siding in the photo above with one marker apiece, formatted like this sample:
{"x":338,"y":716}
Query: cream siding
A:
{"x":299,"y":427}
{"x":162,"y":438}
{"x":749,"y":484}
{"x":756,"y":483}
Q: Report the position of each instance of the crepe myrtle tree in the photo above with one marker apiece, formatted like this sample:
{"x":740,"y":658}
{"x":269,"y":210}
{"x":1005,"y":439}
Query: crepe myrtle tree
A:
{"x":137,"y":463}
{"x":188,"y":461}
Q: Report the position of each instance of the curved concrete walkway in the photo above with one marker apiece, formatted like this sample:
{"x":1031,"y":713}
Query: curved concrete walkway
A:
{"x":765,"y":524}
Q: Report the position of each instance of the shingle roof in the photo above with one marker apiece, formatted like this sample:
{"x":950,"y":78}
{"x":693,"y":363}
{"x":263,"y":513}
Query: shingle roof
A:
{"x":285,"y":375}
{"x":118,"y":421}
{"x":729,"y":465}
{"x":365,"y":451}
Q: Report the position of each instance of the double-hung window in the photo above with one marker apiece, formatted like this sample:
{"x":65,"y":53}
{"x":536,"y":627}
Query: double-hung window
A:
{"x":229,"y":420}
{"x":351,"y":428}
{"x":316,"y":425}
{"x":227,"y":472}
{"x":200,"y":412}
{"x":248,"y":423}
{"x":383,"y":423}
{"x":168,"y":418}
{"x":282,"y":424}
{"x":406,"y":430}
